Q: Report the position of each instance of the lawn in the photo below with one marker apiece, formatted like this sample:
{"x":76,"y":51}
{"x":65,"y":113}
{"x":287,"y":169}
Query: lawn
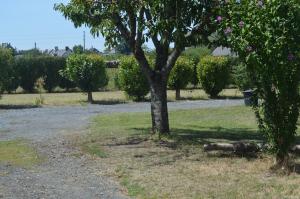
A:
{"x":107,"y":97}
{"x":177,"y":167}
{"x":18,"y":153}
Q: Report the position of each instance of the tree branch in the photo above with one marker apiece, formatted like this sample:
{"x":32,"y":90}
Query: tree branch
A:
{"x":154,"y":37}
{"x":172,"y":59}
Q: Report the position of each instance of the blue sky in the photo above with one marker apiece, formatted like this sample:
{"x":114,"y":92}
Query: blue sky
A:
{"x":24,"y":22}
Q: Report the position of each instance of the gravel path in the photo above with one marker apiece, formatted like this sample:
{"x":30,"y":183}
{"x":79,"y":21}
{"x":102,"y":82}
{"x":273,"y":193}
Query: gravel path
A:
{"x":65,"y":175}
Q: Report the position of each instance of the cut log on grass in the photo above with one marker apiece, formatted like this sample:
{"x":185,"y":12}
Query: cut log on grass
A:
{"x":241,"y":147}
{"x":296,"y":149}
{"x":234,"y":147}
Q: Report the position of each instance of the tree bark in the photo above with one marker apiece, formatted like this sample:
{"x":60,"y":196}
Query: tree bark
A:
{"x":90,"y":97}
{"x":178,"y":94}
{"x":159,"y":106}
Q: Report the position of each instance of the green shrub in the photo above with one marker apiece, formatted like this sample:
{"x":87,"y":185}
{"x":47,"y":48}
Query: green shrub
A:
{"x":6,"y":62}
{"x":241,"y":77}
{"x":131,"y":79}
{"x":181,"y":75}
{"x":51,"y":68}
{"x":213,"y":74}
{"x":195,"y":54}
{"x":87,"y":71}
{"x":265,"y":34}
{"x":30,"y":69}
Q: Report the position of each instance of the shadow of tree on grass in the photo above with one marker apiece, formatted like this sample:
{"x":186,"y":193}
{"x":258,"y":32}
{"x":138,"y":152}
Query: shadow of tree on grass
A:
{"x":17,"y":107}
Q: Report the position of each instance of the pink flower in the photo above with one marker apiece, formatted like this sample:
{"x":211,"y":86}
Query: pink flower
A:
{"x":291,"y":57}
{"x":249,"y":49}
{"x":219,"y":19}
{"x":228,"y":31}
{"x":241,"y":24}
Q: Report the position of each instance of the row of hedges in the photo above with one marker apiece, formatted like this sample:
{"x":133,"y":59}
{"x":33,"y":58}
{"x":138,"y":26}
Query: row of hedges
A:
{"x":214,"y":74}
{"x":24,"y":71}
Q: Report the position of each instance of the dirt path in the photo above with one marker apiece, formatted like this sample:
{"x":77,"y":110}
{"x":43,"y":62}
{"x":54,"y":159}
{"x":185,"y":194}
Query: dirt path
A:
{"x":65,"y":174}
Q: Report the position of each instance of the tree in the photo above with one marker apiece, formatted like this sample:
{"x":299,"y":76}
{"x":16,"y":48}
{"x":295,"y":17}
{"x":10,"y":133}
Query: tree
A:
{"x":9,"y":46}
{"x":131,"y":79}
{"x":165,"y":22}
{"x":78,"y":49}
{"x":181,"y":75}
{"x":265,"y":34}
{"x":6,"y":61}
{"x":87,"y":71}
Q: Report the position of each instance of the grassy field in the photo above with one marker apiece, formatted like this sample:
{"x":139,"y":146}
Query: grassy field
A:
{"x":177,"y":167}
{"x":18,"y":153}
{"x":108,"y":97}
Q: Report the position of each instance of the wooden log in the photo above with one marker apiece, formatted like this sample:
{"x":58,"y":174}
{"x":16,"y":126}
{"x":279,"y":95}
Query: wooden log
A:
{"x":238,"y":147}
{"x":241,"y":147}
{"x":295,"y":149}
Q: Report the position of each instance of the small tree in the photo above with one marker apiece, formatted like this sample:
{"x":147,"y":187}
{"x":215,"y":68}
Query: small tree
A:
{"x":213,"y":74}
{"x":6,"y":61}
{"x":87,"y":71}
{"x":266,"y":36}
{"x":131,"y":79}
{"x":181,"y":75}
{"x":166,"y":23}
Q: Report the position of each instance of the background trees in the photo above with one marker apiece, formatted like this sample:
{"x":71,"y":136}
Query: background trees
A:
{"x":265,"y":34}
{"x":164,"y":22}
{"x":87,"y":71}
{"x":6,"y":63}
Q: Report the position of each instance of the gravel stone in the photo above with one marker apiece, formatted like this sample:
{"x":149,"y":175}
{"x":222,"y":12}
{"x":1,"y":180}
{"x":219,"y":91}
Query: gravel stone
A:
{"x":64,"y":175}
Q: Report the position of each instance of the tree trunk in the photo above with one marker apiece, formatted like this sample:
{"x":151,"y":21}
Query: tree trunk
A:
{"x":282,"y":162}
{"x":90,"y":97}
{"x":177,"y":93}
{"x":159,"y":106}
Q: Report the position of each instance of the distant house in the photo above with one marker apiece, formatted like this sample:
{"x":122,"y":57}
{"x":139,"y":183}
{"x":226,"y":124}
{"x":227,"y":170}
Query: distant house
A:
{"x":60,"y":52}
{"x":223,"y":51}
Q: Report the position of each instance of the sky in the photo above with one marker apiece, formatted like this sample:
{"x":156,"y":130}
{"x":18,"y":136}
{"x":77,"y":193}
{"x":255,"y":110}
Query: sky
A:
{"x":24,"y":22}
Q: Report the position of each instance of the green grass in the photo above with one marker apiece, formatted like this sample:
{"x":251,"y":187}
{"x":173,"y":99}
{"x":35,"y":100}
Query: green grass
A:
{"x":94,"y":149}
{"x":111,"y":72}
{"x":107,"y":97}
{"x":18,"y":153}
{"x":177,"y":167}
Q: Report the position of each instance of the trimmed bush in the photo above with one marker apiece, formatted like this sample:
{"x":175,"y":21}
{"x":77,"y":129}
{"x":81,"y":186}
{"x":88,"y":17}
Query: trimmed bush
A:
{"x":131,"y":80}
{"x":242,"y":78}
{"x":181,"y":75}
{"x":87,"y":71}
{"x":195,"y":54}
{"x":214,"y":74}
{"x":51,"y":67}
{"x":6,"y":62}
{"x":12,"y":82}
{"x":30,"y":69}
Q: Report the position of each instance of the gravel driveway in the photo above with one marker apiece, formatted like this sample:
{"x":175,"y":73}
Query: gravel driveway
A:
{"x":65,"y":175}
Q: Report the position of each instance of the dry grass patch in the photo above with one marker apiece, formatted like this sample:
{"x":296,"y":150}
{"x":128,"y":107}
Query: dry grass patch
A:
{"x":177,"y":167}
{"x":105,"y":97}
{"x":18,"y":153}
